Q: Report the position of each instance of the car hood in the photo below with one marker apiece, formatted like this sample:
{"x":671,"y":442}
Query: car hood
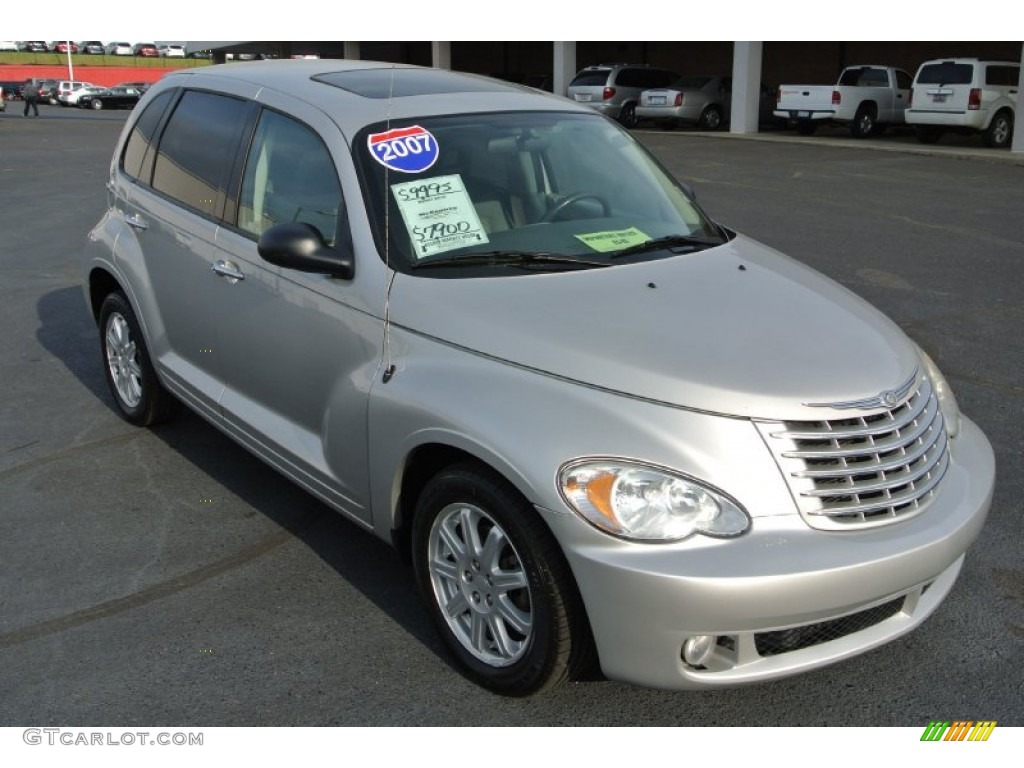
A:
{"x":739,"y":329}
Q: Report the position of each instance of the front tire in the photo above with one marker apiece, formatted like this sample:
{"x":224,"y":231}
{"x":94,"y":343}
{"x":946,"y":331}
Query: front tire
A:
{"x":140,"y":397}
{"x":711,"y":118}
{"x":496,"y":583}
{"x":96,"y":104}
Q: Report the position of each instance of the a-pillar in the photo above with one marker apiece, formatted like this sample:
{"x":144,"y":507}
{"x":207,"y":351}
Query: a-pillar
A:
{"x":564,"y":67}
{"x":746,"y":86}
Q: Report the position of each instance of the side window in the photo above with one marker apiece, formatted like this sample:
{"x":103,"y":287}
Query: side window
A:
{"x":628,"y":78}
{"x":996,"y":74}
{"x":141,"y":137}
{"x":193,"y":161}
{"x":289,"y":176}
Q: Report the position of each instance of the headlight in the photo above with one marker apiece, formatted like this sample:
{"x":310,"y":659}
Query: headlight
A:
{"x":944,"y":394}
{"x":646,"y":503}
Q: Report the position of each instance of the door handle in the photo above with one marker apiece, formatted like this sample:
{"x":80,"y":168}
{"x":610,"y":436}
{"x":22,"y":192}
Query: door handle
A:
{"x":135,"y":221}
{"x":227,"y":269}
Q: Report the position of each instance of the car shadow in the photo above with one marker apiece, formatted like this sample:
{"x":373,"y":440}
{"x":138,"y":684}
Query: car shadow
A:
{"x":365,"y":562}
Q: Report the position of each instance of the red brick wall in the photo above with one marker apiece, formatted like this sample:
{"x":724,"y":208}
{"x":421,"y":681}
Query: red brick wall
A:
{"x":95,"y":75}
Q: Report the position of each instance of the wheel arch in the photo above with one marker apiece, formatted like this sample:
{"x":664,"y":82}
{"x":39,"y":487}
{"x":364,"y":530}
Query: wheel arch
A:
{"x":101,"y":284}
{"x":423,"y":462}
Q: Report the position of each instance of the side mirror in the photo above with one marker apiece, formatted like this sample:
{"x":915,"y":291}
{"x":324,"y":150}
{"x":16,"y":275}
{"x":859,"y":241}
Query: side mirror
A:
{"x":300,"y":246}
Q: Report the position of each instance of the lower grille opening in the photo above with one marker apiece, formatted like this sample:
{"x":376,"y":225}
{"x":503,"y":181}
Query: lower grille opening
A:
{"x":795,"y":638}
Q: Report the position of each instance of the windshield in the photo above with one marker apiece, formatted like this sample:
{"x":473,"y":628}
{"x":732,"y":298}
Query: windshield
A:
{"x":543,"y":189}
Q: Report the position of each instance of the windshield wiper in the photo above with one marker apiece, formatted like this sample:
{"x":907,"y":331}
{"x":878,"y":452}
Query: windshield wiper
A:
{"x":509,"y":258}
{"x":669,"y":241}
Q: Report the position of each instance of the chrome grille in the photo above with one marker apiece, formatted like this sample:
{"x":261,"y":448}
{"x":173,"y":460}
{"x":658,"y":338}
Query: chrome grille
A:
{"x":866,"y":470}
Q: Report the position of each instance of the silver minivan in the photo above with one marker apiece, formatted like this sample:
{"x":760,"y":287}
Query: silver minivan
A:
{"x":614,"y":89}
{"x":598,"y":423}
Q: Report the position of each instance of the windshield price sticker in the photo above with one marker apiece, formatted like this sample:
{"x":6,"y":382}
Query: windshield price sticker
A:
{"x":407,"y":150}
{"x":438,"y":215}
{"x":616,"y":240}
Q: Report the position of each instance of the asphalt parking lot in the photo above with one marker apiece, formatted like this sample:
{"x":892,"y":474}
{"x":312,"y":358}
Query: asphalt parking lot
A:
{"x":168,"y":577}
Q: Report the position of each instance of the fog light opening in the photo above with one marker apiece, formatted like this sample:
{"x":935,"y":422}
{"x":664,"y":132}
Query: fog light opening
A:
{"x":697,"y":650}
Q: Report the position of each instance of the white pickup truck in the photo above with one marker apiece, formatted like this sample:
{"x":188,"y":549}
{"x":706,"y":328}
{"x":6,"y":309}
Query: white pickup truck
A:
{"x":867,"y":98}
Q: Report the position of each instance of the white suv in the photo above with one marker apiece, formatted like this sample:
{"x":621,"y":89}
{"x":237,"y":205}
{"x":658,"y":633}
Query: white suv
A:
{"x":964,"y":96}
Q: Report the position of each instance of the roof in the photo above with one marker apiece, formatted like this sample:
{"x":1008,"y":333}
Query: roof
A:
{"x":356,"y":93}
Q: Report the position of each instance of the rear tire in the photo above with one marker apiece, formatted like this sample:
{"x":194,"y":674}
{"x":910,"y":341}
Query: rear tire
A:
{"x":1000,"y":131}
{"x":864,"y":124}
{"x":140,"y":397}
{"x":628,"y":116}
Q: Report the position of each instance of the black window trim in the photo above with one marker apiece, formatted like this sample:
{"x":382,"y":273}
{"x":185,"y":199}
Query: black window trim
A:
{"x":343,"y":242}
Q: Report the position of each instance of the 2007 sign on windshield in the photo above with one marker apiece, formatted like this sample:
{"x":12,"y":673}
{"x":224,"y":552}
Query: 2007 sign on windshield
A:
{"x":406,"y":150}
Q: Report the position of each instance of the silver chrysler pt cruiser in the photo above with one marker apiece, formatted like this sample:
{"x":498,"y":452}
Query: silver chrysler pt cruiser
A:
{"x":486,"y":325}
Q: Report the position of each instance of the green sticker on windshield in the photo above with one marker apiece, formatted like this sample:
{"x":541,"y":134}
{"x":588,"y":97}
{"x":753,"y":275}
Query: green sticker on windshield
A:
{"x":604,"y":242}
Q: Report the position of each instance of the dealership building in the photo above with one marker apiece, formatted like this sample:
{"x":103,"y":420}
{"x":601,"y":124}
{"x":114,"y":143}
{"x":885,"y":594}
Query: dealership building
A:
{"x":553,"y":64}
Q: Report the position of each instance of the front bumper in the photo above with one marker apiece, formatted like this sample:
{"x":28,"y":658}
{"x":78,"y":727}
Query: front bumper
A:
{"x":644,"y":600}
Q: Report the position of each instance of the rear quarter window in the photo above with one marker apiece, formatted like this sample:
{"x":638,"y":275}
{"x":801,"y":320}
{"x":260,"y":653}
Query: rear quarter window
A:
{"x":1001,"y":74}
{"x":138,"y":144}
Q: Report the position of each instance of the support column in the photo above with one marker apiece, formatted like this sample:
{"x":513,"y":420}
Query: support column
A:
{"x":1018,"y":122}
{"x":746,"y":86}
{"x":441,"y":54}
{"x":351,"y":50}
{"x":564,"y":66}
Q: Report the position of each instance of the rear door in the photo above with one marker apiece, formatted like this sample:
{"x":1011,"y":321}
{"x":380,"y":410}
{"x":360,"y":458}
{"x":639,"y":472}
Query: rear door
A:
{"x":173,"y":213}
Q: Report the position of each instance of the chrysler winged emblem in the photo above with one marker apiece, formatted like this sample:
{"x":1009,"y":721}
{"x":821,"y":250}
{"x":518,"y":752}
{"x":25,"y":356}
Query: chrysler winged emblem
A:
{"x":888,"y":398}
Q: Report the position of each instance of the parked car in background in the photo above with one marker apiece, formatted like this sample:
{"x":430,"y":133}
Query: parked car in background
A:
{"x":614,"y":89}
{"x":65,"y":88}
{"x":119,"y":49}
{"x":741,"y":473}
{"x":12,"y":89}
{"x":35,"y":46}
{"x":138,"y":85}
{"x":146,"y":50}
{"x":62,"y":46}
{"x":8,"y":45}
{"x":866,"y":98}
{"x":203,"y":54}
{"x":172,"y":51}
{"x":965,"y":96}
{"x":704,"y":101}
{"x":48,"y":90}
{"x":118,"y":97}
{"x":72,"y":98}
{"x":91,"y":47}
